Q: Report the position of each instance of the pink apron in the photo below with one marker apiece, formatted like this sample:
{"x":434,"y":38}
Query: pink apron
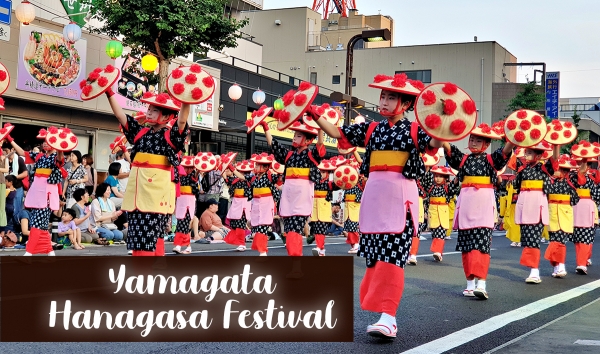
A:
{"x":40,"y":193}
{"x":238,"y":206}
{"x":474,"y":208}
{"x":263,"y":209}
{"x":184,"y":203}
{"x":584,"y":213}
{"x":384,"y":202}
{"x":297,"y":197}
{"x":532,"y":206}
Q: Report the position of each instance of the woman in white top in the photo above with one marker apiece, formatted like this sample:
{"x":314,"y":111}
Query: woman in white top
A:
{"x":76,"y":178}
{"x":105,"y":214}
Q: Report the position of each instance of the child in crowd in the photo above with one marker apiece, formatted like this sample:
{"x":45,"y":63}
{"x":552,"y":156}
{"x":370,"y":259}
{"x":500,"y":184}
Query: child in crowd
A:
{"x":68,"y":228}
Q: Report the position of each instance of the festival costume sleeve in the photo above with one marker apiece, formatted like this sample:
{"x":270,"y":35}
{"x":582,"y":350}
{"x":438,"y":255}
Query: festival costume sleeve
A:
{"x":427,"y":181}
{"x":595,"y":191}
{"x":455,"y":157}
{"x":424,"y":142}
{"x":499,"y":159}
{"x":518,"y":180}
{"x":353,"y":135}
{"x":318,"y":152}
{"x":178,"y":138}
{"x":279,"y":151}
{"x":550,"y":166}
{"x":131,"y":129}
{"x":30,"y":157}
{"x":574,"y":196}
{"x":359,"y":194}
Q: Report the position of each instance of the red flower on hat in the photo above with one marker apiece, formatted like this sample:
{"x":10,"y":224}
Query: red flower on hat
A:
{"x":249,"y":123}
{"x":203,"y":166}
{"x":345,"y":178}
{"x":537,"y":120}
{"x":332,"y":114}
{"x":73,"y":139}
{"x":53,"y":130}
{"x":433,"y":121}
{"x":586,"y":144}
{"x":450,"y":88}
{"x":64,"y":144}
{"x":380,"y":78}
{"x":519,"y":136}
{"x":208,"y":81}
{"x":177,"y":73}
{"x":3,"y":131}
{"x":525,"y":125}
{"x":545,"y":144}
{"x":43,"y":132}
{"x":325,"y":106}
{"x":87,"y":90}
{"x":62,"y":135}
{"x":554,"y":136}
{"x":536,"y":134}
{"x":353,"y":178}
{"x":109,"y":69}
{"x":162,"y":98}
{"x":486,"y":129}
{"x":102,"y":81}
{"x":261,"y":112}
{"x":568,"y":125}
{"x":449,"y":107}
{"x":558,"y":127}
{"x":417,"y":84}
{"x":197,"y":93}
{"x":178,"y":88}
{"x":98,"y":70}
{"x":521,"y":114}
{"x":3,"y":75}
{"x":596,"y":150}
{"x":304,"y":86}
{"x":296,"y":124}
{"x":583,"y":152}
{"x":300,"y":99}
{"x":284,"y":116}
{"x":94,"y":75}
{"x":277,"y":165}
{"x":346,"y":170}
{"x":254,"y":114}
{"x":195,"y":68}
{"x":457,"y":127}
{"x":288,"y":97}
{"x":399,"y":80}
{"x":469,"y":107}
{"x":52,"y":140}
{"x":429,"y":98}
{"x":148,"y":94}
{"x":191,"y":79}
{"x":320,"y":111}
{"x":82,"y":83}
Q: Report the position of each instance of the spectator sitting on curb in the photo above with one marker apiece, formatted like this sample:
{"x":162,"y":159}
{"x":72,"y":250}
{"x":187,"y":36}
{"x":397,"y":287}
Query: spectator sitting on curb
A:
{"x":211,"y":223}
{"x":83,"y":214}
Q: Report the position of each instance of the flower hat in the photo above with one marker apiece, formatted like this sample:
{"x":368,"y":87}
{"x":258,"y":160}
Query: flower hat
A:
{"x":277,"y":167}
{"x":345,"y":177}
{"x":485,"y":131}
{"x":205,"y":161}
{"x":525,"y":128}
{"x":61,"y":139}
{"x":262,"y":158}
{"x":398,"y":83}
{"x":295,"y":104}
{"x":326,"y":112}
{"x":245,"y":166}
{"x":119,"y":141}
{"x":98,"y":81}
{"x":187,"y":161}
{"x":560,"y":132}
{"x":227,"y":160}
{"x":257,"y":117}
{"x":190,"y":84}
{"x":430,"y":160}
{"x":442,"y":170}
{"x":4,"y":78}
{"x":566,"y":161}
{"x":5,"y":131}
{"x":327,"y":165}
{"x":586,"y":150}
{"x":300,"y":126}
{"x":163,"y":100}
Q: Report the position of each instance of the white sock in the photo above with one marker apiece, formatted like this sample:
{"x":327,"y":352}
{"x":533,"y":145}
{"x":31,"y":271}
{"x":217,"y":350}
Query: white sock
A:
{"x":561,"y":267}
{"x":387,"y":320}
{"x":481,"y":284}
{"x":535,"y":273}
{"x":28,"y":254}
{"x":471,"y":284}
{"x":51,"y":253}
{"x":556,"y":269}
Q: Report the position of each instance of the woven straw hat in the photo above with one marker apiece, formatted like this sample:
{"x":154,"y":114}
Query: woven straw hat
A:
{"x":163,"y":100}
{"x":542,"y":145}
{"x":61,"y":139}
{"x":525,"y":128}
{"x":187,"y":161}
{"x":338,"y":160}
{"x":205,"y":161}
{"x":295,"y":104}
{"x":430,"y":160}
{"x":345,"y":177}
{"x":445,"y":111}
{"x":326,"y":112}
{"x":300,"y":126}
{"x":263,"y":158}
{"x":346,"y":151}
{"x":5,"y":131}
{"x":98,"y":81}
{"x":4,"y":78}
{"x":245,"y":166}
{"x":327,"y":165}
{"x":566,"y":161}
{"x":442,"y":170}
{"x":227,"y":160}
{"x":397,"y":83}
{"x":585,"y":149}
{"x":190,"y":84}
{"x":561,"y":133}
{"x":119,"y":141}
{"x":498,"y":128}
{"x":486,"y":131}
{"x":277,"y":167}
{"x":258,"y":116}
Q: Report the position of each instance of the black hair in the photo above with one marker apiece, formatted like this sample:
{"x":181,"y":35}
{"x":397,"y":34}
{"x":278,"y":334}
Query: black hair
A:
{"x":10,"y":178}
{"x":114,"y":169}
{"x":101,"y":189}
{"x":405,"y":98}
{"x":77,"y":155}
{"x":70,"y":212}
{"x":335,"y":204}
{"x":78,"y":194}
{"x":538,"y":151}
{"x":120,"y":154}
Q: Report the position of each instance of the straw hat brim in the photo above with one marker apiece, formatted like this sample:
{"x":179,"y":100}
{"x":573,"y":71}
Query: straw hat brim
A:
{"x":187,"y":95}
{"x":262,"y":160}
{"x":345,"y":177}
{"x":586,"y":152}
{"x":122,"y":141}
{"x":346,"y":151}
{"x":247,"y":168}
{"x":560,"y":137}
{"x":304,"y":128}
{"x":205,"y":165}
{"x":408,"y":89}
{"x":6,"y":130}
{"x":446,"y":127}
{"x":168,"y":105}
{"x":308,"y":120}
{"x":441,"y":172}
{"x":231,"y":158}
{"x":526,"y":135}
{"x":259,"y":118}
{"x":97,"y":90}
{"x":187,"y":161}
{"x":56,"y":142}
{"x":6,"y":82}
{"x":296,"y":111}
{"x":430,"y":160}
{"x":491,"y":135}
{"x":330,"y":166}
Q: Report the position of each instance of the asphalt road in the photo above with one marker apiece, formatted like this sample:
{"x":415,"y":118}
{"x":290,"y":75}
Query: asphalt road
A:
{"x":432,"y":308}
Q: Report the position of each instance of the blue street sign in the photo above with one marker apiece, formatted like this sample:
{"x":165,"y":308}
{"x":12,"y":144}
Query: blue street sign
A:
{"x":5,"y":9}
{"x":552,"y":94}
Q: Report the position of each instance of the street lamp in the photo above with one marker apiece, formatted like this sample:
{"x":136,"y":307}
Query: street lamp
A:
{"x":376,"y":35}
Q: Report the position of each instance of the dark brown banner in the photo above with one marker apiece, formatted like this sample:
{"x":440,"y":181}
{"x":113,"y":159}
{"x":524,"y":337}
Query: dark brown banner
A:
{"x":176,"y":299}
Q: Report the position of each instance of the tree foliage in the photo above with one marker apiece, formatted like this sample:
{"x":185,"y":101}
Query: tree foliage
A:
{"x":167,"y":28}
{"x":528,"y":98}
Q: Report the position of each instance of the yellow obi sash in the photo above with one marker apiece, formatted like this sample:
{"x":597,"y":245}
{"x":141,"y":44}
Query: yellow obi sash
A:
{"x":583,"y":193}
{"x":421,"y":210}
{"x":186,"y":190}
{"x":477,"y":182}
{"x":261,"y":192}
{"x":532,"y":185}
{"x":43,"y":172}
{"x":559,"y":199}
{"x":297,"y":172}
{"x":321,"y":194}
{"x":150,"y":188}
{"x":438,"y":201}
{"x":350,"y":198}
{"x":392,"y":161}
{"x":238,"y":193}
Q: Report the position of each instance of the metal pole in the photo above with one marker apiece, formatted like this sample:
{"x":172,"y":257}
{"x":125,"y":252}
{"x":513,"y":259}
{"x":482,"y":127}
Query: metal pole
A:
{"x":349,"y":64}
{"x":250,"y":142}
{"x":481,"y":95}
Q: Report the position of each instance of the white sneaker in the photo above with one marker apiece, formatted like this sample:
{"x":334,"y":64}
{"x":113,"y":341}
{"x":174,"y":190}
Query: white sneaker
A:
{"x":437,"y":257}
{"x":480,"y":294}
{"x":177,"y":249}
{"x":422,"y":238}
{"x":533,"y":280}
{"x":354,"y":249}
{"x":188,"y":250}
{"x":447,"y":238}
{"x":581,"y":270}
{"x":382,"y":331}
{"x":560,"y":274}
{"x":241,"y":248}
{"x":513,"y":244}
{"x":264,"y":254}
{"x":412,"y":260}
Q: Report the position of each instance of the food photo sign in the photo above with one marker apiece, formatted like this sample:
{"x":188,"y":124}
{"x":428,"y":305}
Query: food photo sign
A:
{"x":131,"y":85}
{"x":48,"y":64}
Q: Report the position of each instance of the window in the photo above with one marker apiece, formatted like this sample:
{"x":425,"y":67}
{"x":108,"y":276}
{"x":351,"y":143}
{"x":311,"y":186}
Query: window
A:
{"x":353,"y":81}
{"x":335,"y":79}
{"x":313,"y":78}
{"x":421,"y":75}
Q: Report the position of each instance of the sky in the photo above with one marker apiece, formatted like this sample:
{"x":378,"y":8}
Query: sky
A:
{"x":561,"y":33}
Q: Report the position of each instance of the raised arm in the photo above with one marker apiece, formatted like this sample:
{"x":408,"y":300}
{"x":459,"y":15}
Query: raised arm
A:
{"x":183,"y":115}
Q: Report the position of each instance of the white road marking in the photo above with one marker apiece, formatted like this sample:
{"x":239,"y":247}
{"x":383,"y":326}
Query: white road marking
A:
{"x":469,"y":334}
{"x":588,"y":342}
